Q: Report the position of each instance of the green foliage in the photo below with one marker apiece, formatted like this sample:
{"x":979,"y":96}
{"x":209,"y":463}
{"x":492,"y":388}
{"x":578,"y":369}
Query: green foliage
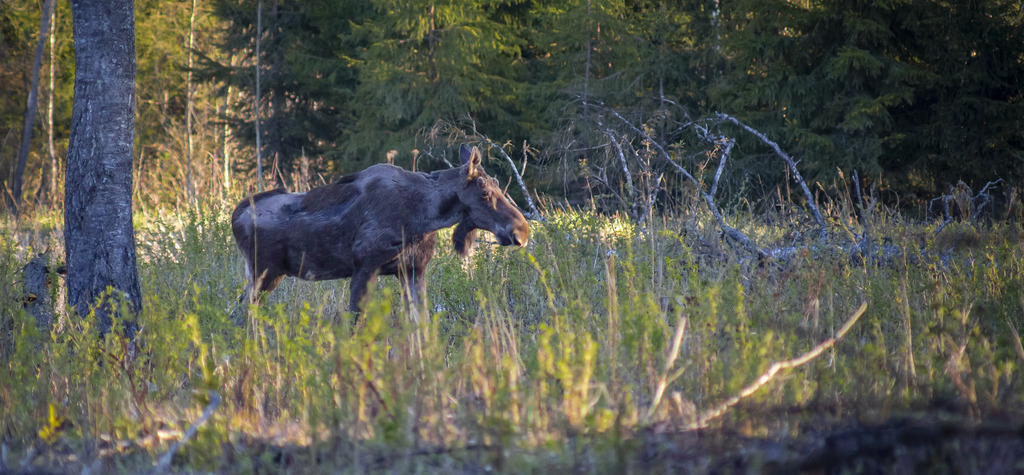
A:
{"x":914,"y":96}
{"x":523,"y":352}
{"x":426,"y":61}
{"x":913,"y":92}
{"x":307,"y":85}
{"x":19,"y":36}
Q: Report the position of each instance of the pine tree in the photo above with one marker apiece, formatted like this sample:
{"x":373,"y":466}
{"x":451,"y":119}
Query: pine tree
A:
{"x":909,"y":91}
{"x":306,"y":78}
{"x":426,"y":61}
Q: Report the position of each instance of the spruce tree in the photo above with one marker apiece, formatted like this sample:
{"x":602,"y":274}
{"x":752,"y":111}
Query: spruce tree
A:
{"x":916,"y":93}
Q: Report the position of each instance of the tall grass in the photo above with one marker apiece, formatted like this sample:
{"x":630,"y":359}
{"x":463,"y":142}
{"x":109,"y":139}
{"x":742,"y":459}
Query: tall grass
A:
{"x":544,"y":358}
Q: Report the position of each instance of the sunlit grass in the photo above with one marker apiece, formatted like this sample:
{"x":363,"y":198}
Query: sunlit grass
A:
{"x":527,"y":354}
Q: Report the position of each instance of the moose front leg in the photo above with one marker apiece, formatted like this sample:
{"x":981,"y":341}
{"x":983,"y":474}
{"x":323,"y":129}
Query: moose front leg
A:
{"x":358,"y":289}
{"x":414,"y":291}
{"x":411,"y":272}
{"x":377,"y":253}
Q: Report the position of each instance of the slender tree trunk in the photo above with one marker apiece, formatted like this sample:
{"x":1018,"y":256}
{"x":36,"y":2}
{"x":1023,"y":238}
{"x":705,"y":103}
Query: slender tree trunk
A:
{"x":225,"y":135}
{"x":259,"y":151}
{"x":432,"y":40}
{"x":30,"y":111}
{"x":190,"y":108}
{"x":47,"y":192}
{"x":54,"y":161}
{"x":586,"y":73}
{"x":276,"y":135}
{"x":100,"y":242}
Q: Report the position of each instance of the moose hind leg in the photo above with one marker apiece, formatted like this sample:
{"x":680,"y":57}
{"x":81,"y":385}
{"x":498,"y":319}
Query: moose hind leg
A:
{"x":257,"y":287}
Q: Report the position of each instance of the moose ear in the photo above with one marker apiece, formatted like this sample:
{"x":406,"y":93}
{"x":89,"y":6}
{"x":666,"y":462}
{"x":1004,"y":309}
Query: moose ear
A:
{"x":470,"y":158}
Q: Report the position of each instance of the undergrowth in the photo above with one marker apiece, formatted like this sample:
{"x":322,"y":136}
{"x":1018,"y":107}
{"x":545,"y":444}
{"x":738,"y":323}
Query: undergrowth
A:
{"x":545,"y":358}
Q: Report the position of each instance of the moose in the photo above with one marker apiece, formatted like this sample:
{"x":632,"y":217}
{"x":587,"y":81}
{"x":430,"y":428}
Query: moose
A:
{"x":380,"y":221}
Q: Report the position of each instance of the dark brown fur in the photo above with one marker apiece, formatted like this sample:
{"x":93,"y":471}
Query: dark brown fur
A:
{"x":381,"y":221}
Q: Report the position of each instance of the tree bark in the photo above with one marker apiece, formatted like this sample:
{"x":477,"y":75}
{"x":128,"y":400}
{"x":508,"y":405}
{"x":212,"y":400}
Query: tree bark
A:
{"x":47,"y":191}
{"x":98,"y":231}
{"x":190,"y":190}
{"x":54,"y":165}
{"x":226,"y":133}
{"x":259,"y":151}
{"x":30,"y":111}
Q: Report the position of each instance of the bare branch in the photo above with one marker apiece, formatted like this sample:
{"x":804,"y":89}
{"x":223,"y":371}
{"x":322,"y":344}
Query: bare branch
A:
{"x":165,"y":460}
{"x":984,"y":189}
{"x":708,"y":198}
{"x":670,"y":361}
{"x":964,"y":197}
{"x":526,"y":155}
{"x":865,"y":245}
{"x":1016,"y":340}
{"x":945,"y":211}
{"x":984,"y":195}
{"x":622,"y":161}
{"x":649,"y":203}
{"x":534,"y":214}
{"x":822,"y":228}
{"x":603,"y":180}
{"x":767,"y":376}
{"x":721,"y":164}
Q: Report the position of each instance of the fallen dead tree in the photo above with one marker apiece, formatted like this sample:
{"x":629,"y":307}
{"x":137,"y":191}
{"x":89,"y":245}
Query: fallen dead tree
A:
{"x":639,"y":161}
{"x":828,"y":236}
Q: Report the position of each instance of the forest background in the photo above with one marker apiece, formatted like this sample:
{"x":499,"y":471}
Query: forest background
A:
{"x":913,"y":96}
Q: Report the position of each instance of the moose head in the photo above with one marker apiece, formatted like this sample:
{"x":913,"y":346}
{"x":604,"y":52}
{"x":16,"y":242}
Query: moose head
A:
{"x":486,"y":208}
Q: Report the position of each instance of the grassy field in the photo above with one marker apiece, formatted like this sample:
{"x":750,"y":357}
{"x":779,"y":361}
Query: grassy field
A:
{"x":600,"y":347}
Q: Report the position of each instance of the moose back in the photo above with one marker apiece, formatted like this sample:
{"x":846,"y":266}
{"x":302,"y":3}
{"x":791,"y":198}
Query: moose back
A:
{"x":380,"y":221}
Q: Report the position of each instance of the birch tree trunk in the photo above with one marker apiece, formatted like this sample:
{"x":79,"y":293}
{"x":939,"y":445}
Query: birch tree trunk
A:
{"x":259,"y":151}
{"x":98,"y":231}
{"x":54,"y":164}
{"x":30,"y":110}
{"x":226,"y":133}
{"x":190,"y":190}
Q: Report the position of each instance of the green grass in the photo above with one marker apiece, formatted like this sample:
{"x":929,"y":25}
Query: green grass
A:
{"x":542,"y":359}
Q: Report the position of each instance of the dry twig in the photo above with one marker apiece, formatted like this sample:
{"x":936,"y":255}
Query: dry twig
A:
{"x":1016,"y":340}
{"x":534,"y":214}
{"x":673,"y":353}
{"x":822,"y":228}
{"x":165,"y":460}
{"x":703,"y":421}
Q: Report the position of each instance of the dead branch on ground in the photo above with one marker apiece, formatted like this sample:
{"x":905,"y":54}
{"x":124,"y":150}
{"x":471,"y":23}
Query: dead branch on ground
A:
{"x":970,"y":205}
{"x":822,"y":228}
{"x":720,"y":410}
{"x":709,"y":198}
{"x":670,"y":361}
{"x":165,"y":460}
